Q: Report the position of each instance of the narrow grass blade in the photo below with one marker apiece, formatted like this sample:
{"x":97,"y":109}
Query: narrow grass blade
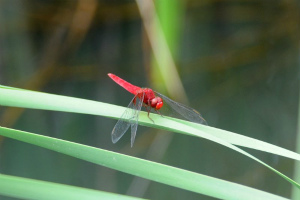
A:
{"x":243,"y":141}
{"x":38,"y":100}
{"x":24,"y":188}
{"x":295,"y":192}
{"x":150,"y":170}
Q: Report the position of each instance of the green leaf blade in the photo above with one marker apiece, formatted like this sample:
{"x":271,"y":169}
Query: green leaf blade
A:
{"x":146,"y":169}
{"x":25,"y":188}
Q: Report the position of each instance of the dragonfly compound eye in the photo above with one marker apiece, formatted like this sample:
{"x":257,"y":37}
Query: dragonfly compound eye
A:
{"x":153,"y":102}
{"x":156,"y":103}
{"x":159,"y":103}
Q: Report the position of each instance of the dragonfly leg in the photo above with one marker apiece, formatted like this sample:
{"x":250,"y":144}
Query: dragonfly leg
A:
{"x":159,"y":113}
{"x":148,"y":108}
{"x":149,"y":116}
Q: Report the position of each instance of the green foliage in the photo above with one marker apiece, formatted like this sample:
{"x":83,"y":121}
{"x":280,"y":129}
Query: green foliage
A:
{"x":32,"y":189}
{"x":150,"y":170}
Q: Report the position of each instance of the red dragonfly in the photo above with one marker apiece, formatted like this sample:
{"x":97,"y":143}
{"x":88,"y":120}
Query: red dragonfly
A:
{"x":150,"y":100}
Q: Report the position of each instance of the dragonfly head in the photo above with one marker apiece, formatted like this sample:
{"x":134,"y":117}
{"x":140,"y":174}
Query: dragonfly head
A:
{"x":156,"y":103}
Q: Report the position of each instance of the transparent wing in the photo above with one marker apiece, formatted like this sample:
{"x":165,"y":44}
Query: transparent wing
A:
{"x":134,"y":124}
{"x":128,"y":118}
{"x":185,"y":111}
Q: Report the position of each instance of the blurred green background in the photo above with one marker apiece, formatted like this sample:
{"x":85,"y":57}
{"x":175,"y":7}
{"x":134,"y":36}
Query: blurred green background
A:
{"x":237,"y":61}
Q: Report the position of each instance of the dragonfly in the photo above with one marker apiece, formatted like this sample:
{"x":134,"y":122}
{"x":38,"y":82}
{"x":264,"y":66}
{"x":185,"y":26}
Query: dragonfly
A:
{"x":151,"y":100}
